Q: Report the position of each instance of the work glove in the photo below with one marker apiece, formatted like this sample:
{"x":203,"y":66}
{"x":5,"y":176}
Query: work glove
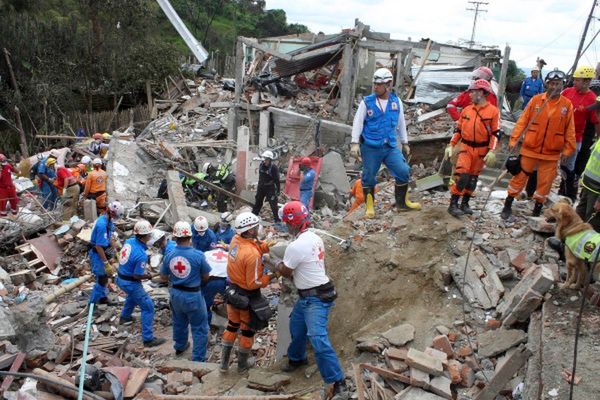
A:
{"x":355,"y":150}
{"x":490,"y":159}
{"x":448,"y":151}
{"x":405,"y":149}
{"x":109,"y":269}
{"x":271,"y":242}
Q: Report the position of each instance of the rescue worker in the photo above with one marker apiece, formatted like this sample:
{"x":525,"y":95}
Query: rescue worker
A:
{"x":550,"y":134}
{"x":46,"y":174}
{"x":95,"y":185}
{"x":217,"y":259}
{"x":478,"y":131}
{"x":186,"y":268}
{"x":8,"y":191}
{"x":531,"y":86}
{"x":203,"y":239}
{"x":457,"y":104}
{"x":94,"y":146}
{"x":133,"y":263}
{"x":582,"y":97}
{"x":378,"y":121}
{"x":68,"y":188}
{"x":80,"y":173}
{"x":268,"y":185}
{"x":87,"y":161}
{"x":160,"y":241}
{"x":588,"y":207}
{"x":304,"y":262}
{"x":105,"y":145}
{"x":307,"y":181}
{"x":357,"y":192}
{"x":225,"y":179}
{"x":246,"y":273}
{"x":102,"y":250}
{"x":223,"y":231}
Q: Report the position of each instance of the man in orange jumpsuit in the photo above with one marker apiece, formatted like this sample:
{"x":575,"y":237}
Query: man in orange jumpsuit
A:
{"x":357,"y":192}
{"x":95,"y":186}
{"x":549,"y":128}
{"x":457,"y":104}
{"x":478,"y":129}
{"x":246,"y":272}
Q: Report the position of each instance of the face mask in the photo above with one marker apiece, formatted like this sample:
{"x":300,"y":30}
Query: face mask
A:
{"x":201,"y":233}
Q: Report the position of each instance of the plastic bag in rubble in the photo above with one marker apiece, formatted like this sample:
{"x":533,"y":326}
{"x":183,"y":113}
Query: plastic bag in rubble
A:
{"x":28,"y":391}
{"x":517,"y":393}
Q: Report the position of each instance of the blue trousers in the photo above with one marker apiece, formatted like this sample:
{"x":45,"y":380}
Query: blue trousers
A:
{"x":188,"y":309}
{"x":392,"y":157}
{"x":570,"y":162}
{"x":137,"y":296}
{"x":308,"y":321}
{"x":305,"y":196}
{"x":99,"y":291}
{"x":49,"y":195}
{"x":209,"y":291}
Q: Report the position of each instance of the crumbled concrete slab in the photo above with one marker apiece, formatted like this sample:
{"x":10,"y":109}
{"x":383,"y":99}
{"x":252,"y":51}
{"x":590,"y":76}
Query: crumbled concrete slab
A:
{"x":492,"y":343}
{"x":400,"y":335}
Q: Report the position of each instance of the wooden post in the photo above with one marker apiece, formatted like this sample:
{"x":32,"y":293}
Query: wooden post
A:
{"x":22,"y":138}
{"x":400,"y":68}
{"x":114,"y":113}
{"x":149,"y":96}
{"x":345,"y":100}
{"x":13,"y":79}
{"x":503,"y":71}
{"x":423,"y":62}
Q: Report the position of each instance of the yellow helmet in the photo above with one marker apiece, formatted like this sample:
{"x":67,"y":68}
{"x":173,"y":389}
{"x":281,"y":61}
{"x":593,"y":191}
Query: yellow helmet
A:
{"x":106,"y":136}
{"x":50,"y":161}
{"x":585,"y":72}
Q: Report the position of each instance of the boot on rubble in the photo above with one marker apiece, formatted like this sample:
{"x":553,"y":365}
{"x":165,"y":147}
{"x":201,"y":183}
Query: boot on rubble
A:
{"x":464,"y":206}
{"x":402,"y":201}
{"x":507,"y":210}
{"x":243,"y":363}
{"x":369,"y":195}
{"x":340,"y":391}
{"x":225,"y":355}
{"x":537,"y":209}
{"x":453,"y":208}
{"x":557,"y":245}
{"x":531,"y":184}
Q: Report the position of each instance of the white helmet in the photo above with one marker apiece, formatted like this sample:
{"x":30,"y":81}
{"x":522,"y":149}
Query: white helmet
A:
{"x":86,"y":160}
{"x":97,"y":161}
{"x":182,"y":229}
{"x":246,"y":221}
{"x":535,"y":68}
{"x":268,"y":154}
{"x":383,"y":75}
{"x":142,"y":227}
{"x":116,"y":209}
{"x":201,"y":223}
{"x":157,"y":235}
{"x":226,"y":217}
{"x":205,"y":167}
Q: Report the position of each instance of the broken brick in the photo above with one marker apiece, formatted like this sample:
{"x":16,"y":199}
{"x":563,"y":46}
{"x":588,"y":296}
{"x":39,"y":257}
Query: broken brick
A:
{"x":425,"y":362}
{"x":492,"y":324}
{"x":454,"y":368}
{"x":467,"y":376}
{"x":442,"y":343}
{"x":464,"y":351}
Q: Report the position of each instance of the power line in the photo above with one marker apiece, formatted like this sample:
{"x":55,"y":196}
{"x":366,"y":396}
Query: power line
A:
{"x":476,"y":10}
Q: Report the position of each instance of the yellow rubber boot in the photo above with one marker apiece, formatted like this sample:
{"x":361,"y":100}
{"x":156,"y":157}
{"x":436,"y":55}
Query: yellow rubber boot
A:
{"x":370,"y":203}
{"x":402,"y":201}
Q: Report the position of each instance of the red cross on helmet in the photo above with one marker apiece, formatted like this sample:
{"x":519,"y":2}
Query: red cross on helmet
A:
{"x":142,"y":227}
{"x":182,"y":229}
{"x":294,"y":213}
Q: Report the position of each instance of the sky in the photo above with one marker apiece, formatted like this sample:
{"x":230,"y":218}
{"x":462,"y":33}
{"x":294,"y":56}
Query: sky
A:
{"x":550,"y":29}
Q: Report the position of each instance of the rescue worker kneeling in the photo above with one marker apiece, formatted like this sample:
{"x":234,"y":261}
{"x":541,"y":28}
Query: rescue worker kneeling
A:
{"x":132,"y":271}
{"x":478,"y":130}
{"x":186,"y":268}
{"x":247,"y":310}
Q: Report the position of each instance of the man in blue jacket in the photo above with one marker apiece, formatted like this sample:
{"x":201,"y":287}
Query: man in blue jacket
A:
{"x":203,"y":239}
{"x":531,"y":86}
{"x":133,"y":262}
{"x":378,"y":122}
{"x":307,"y":182}
{"x":223,"y":231}
{"x":186,"y":268}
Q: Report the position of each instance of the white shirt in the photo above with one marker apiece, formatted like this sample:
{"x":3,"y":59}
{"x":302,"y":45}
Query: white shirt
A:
{"x":306,"y":256}
{"x":217,"y":259}
{"x":361,"y":114}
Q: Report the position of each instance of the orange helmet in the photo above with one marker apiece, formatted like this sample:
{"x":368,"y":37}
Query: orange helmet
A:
{"x":305,"y":162}
{"x":97,"y":136}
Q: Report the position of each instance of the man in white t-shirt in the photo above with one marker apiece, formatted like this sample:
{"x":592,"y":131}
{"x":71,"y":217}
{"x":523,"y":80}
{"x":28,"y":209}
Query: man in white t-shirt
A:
{"x":304,"y":261}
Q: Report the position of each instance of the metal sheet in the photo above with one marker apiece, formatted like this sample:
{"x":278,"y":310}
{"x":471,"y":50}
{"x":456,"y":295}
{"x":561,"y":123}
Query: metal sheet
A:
{"x":46,"y":249}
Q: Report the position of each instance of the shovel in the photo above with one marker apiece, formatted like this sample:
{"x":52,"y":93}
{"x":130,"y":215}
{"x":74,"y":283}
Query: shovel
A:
{"x":432,"y":181}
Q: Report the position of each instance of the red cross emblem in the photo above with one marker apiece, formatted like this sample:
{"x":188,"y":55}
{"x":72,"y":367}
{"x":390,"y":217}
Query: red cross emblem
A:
{"x":125,"y":252}
{"x":321,"y":254}
{"x":219,"y":255}
{"x":186,"y":232}
{"x":180,"y":267}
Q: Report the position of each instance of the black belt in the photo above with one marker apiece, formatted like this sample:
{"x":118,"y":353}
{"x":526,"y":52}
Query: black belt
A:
{"x":127,"y":278}
{"x":216,"y":278}
{"x":96,"y":194}
{"x":186,"y":288}
{"x":305,"y":190}
{"x":74,"y":184}
{"x":315,"y":290}
{"x":476,"y":144}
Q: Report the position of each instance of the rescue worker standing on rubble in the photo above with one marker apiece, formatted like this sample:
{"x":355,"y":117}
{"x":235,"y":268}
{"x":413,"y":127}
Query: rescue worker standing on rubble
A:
{"x":307,"y":181}
{"x":203,"y":239}
{"x":223,"y":231}
{"x":268,"y":185}
{"x":8,"y":191}
{"x":588,"y":207}
{"x":478,"y":131}
{"x":304,"y":262}
{"x":46,"y":175}
{"x":133,"y":264}
{"x":246,"y":272}
{"x":186,"y":268}
{"x":377,"y":123}
{"x":531,"y":86}
{"x":95,"y":185}
{"x":582,"y":97}
{"x":102,"y":250}
{"x":457,"y":104}
{"x":549,"y":128}
{"x":69,"y":190}
{"x":95,"y":144}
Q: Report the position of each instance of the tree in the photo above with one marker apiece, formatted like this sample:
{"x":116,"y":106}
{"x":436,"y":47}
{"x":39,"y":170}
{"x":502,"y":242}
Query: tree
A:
{"x":514,"y":73}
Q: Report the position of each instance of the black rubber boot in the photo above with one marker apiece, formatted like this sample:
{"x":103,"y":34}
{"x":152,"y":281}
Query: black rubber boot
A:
{"x":453,"y":208}
{"x":243,"y":364}
{"x":507,"y":210}
{"x":402,"y":201}
{"x":294,"y":365}
{"x":531,"y":184}
{"x":225,"y":355}
{"x":464,"y":206}
{"x":155,"y":342}
{"x":537,"y":209}
{"x":557,"y":245}
{"x":340,"y":391}
{"x":572,"y":186}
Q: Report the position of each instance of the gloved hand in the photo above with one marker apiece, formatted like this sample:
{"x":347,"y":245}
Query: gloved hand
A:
{"x":355,"y":150}
{"x":271,"y":242}
{"x":448,"y":151}
{"x":490,"y":159}
{"x":405,"y":149}
{"x":109,"y":269}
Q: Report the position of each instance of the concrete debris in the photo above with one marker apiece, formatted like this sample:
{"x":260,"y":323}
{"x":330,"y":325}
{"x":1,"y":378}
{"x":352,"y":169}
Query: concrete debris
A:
{"x":400,"y":335}
{"x":492,"y":343}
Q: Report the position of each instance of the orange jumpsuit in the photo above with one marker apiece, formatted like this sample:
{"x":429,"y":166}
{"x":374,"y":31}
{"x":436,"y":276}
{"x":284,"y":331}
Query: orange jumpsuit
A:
{"x":95,"y":188}
{"x":245,"y":270}
{"x":357,"y":192}
{"x":549,"y":136}
{"x":477,"y":129}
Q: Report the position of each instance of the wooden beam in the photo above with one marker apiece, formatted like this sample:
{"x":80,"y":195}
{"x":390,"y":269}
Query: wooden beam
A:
{"x":16,"y":365}
{"x":61,"y":137}
{"x":263,"y":48}
{"x":344,"y":103}
{"x":423,"y":62}
{"x":214,"y":187}
{"x":503,"y":72}
{"x":22,"y":137}
{"x":318,"y":52}
{"x":383,"y":47}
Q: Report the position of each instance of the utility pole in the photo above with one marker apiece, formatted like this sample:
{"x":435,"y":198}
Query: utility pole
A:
{"x":477,"y":10}
{"x":583,"y":35}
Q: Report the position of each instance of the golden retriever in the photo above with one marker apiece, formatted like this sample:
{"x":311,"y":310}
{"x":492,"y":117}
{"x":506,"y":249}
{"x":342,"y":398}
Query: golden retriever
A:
{"x":569,"y":223}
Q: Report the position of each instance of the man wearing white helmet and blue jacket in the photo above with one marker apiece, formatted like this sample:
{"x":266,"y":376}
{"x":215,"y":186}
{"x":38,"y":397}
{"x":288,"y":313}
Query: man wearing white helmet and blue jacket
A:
{"x":203,"y":239}
{"x":378,"y":124}
{"x":223,"y":231}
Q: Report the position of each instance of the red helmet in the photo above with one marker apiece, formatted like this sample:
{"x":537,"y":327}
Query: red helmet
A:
{"x":97,"y":136}
{"x":305,"y":162}
{"x":483,"y":73}
{"x":294,"y":213}
{"x":2,"y":157}
{"x":480,"y":84}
